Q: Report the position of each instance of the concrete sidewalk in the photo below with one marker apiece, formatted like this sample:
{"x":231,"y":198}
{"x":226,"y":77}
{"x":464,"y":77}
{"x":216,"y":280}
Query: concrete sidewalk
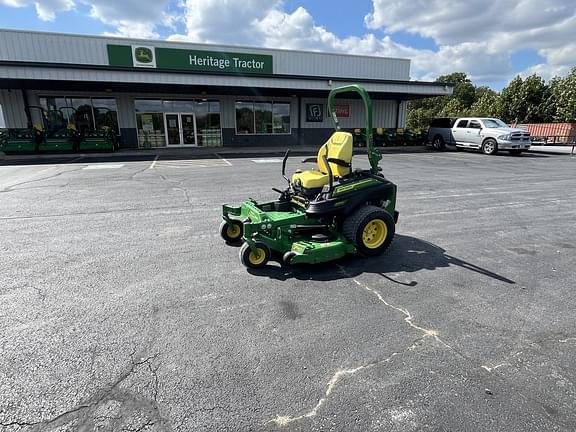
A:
{"x":203,"y":152}
{"x":548,"y":149}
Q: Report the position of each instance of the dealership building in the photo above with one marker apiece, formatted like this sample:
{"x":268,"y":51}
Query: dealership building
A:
{"x":173,"y":94}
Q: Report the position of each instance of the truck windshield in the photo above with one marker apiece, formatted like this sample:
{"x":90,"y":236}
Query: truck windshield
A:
{"x":493,"y":123}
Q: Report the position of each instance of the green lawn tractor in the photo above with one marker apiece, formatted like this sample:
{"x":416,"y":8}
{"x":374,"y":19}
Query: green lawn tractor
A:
{"x":324,"y":213}
{"x":20,"y":140}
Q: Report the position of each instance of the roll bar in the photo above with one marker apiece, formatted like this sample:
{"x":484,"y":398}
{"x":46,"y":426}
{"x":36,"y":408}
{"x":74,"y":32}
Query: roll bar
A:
{"x":374,"y":155}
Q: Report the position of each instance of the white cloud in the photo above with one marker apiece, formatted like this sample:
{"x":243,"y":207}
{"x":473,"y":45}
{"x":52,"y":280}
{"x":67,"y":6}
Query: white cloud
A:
{"x":132,"y":18}
{"x":270,"y":26}
{"x":225,"y":21}
{"x":45,"y":9}
{"x":501,"y":26}
{"x":477,"y":37}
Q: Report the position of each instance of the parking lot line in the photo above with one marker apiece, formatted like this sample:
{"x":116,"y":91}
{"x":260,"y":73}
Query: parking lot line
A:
{"x":153,"y":164}
{"x":103,"y":166}
{"x":225,"y":160}
{"x":192,"y":163}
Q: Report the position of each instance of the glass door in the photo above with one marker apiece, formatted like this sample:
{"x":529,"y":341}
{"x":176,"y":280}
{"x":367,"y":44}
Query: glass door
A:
{"x":180,"y":129}
{"x":188,"y":122}
{"x":172,"y":126}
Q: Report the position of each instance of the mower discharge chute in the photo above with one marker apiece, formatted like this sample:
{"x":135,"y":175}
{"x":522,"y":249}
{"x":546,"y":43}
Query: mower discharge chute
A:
{"x":325,"y":213}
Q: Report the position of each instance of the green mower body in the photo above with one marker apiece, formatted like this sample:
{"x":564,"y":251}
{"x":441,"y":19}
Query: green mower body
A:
{"x":98,"y":140}
{"x":352,"y":213}
{"x":20,"y":140}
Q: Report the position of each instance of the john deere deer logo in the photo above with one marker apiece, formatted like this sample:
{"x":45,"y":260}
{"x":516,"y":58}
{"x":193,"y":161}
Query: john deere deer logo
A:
{"x":143,"y":55}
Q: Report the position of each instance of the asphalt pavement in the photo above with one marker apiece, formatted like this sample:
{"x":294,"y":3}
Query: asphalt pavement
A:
{"x":122,"y":309}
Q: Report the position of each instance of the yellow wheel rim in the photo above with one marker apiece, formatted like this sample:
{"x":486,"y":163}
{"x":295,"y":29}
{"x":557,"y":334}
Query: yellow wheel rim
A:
{"x":374,"y":234}
{"x":233,"y":231}
{"x":257,"y":258}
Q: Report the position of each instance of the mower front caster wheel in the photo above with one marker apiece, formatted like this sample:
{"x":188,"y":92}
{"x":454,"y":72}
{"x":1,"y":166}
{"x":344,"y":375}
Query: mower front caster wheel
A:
{"x":255,"y":259}
{"x":287,"y":257}
{"x":231,"y":231}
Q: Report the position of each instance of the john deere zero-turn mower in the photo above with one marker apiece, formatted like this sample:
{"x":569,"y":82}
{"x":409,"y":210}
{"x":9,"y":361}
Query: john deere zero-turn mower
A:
{"x":325,"y":213}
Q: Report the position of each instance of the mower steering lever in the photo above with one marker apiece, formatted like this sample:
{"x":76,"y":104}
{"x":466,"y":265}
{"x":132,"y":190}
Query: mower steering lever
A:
{"x":284,"y":165}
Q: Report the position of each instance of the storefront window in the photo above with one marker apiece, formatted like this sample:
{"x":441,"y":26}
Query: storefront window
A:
{"x":281,"y":118}
{"x":262,"y":117}
{"x":244,"y":117}
{"x":178,"y":106}
{"x":151,"y":118}
{"x":105,"y":113}
{"x":84,"y":114}
{"x":148,"y":105}
{"x":208,"y":123}
{"x":151,"y":130}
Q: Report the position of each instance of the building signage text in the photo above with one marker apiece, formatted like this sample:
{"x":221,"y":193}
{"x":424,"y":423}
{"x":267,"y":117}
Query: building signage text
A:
{"x":314,"y":112}
{"x":189,"y":60}
{"x":342,"y":110}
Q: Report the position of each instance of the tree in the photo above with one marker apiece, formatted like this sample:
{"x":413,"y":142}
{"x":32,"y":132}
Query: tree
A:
{"x":454,"y":108}
{"x":464,"y":90}
{"x":531,"y":99}
{"x":419,"y":118}
{"x":487,"y":104}
{"x":509,"y":103}
{"x":562,"y":98}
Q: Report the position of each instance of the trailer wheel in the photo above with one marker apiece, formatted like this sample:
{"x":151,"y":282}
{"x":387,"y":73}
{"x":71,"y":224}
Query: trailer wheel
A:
{"x":370,"y":229}
{"x":255,"y":259}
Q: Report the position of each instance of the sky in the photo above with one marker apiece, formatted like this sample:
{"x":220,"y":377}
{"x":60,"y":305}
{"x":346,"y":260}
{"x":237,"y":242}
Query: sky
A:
{"x":491,"y":40}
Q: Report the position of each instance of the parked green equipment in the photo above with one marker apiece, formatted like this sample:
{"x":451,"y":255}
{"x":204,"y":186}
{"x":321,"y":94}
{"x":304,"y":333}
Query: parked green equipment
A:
{"x":102,"y":139}
{"x":324,"y":213}
{"x":54,"y":133}
{"x":20,"y":140}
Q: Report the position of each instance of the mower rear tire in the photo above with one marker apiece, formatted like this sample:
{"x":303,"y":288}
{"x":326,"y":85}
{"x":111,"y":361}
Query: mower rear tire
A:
{"x":255,"y":260}
{"x":370,"y":229}
{"x":231,"y":231}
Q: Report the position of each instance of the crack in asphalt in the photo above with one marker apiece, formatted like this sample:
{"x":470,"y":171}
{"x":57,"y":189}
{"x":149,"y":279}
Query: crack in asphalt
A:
{"x":11,"y":187}
{"x":340,"y":374}
{"x":408,"y":318}
{"x":504,"y":363}
{"x":179,"y":187}
{"x":69,"y":415}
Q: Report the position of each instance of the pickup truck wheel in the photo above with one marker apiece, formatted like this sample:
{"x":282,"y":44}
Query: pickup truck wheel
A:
{"x":490,"y":147}
{"x":438,"y":143}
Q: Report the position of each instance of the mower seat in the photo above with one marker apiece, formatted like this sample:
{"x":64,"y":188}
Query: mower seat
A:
{"x":338,"y":148}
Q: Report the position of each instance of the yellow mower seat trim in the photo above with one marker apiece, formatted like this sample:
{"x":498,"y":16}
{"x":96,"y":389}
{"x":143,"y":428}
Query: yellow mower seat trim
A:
{"x":339,"y":146}
{"x":311,"y":179}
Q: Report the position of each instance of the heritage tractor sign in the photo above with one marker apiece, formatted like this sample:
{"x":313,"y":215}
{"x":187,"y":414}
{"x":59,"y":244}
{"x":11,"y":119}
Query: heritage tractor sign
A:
{"x":189,"y":60}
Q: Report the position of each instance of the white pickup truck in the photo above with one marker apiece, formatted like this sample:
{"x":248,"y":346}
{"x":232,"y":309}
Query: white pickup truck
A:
{"x":486,"y":134}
